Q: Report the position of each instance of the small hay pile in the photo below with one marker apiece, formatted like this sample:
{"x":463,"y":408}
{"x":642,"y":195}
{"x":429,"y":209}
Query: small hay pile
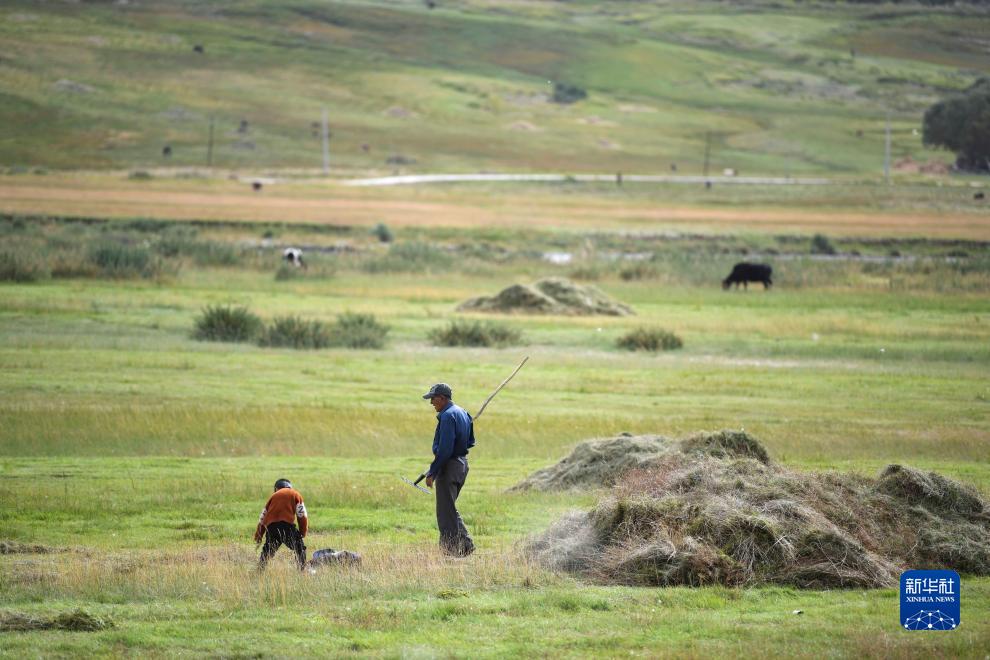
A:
{"x":551,"y":295}
{"x":78,"y":621}
{"x":15,"y":548}
{"x":713,"y":509}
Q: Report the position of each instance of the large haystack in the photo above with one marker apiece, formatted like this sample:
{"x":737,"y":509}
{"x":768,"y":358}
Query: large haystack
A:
{"x":714,"y":510}
{"x":552,"y":295}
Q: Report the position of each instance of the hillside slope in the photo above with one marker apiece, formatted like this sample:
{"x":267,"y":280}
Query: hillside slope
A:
{"x":467,"y":85}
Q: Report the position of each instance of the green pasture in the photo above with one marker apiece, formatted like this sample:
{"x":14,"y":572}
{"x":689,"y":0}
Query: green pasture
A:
{"x":140,"y":458}
{"x":161,"y":546}
{"x":466,"y":86}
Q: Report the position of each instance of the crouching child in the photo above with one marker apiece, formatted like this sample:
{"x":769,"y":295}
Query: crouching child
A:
{"x":282,"y":510}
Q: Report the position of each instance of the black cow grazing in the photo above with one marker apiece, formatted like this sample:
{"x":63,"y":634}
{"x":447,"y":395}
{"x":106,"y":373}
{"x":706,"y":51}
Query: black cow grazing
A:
{"x":199,"y":49}
{"x":979,"y":195}
{"x":256,"y":185}
{"x":294,"y":257}
{"x":743,"y":273}
{"x":166,"y":151}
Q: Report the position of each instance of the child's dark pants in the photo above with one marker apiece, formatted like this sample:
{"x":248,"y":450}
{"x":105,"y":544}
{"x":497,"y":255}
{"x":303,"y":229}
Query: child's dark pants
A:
{"x":277,"y":534}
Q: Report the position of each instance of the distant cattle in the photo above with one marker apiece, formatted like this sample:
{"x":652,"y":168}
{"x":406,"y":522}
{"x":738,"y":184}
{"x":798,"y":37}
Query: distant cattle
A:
{"x":166,"y":151}
{"x":256,"y":186}
{"x":294,"y":256}
{"x":743,"y":273}
{"x":199,"y":49}
{"x":979,"y":195}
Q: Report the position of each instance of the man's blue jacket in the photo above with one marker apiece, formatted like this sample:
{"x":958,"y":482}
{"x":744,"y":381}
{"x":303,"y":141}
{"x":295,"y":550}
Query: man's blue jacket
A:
{"x":454,"y":436}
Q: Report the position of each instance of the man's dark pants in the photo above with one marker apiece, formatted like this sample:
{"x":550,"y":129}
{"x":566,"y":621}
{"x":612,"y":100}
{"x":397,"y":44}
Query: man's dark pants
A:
{"x":277,"y":534}
{"x":454,"y":537}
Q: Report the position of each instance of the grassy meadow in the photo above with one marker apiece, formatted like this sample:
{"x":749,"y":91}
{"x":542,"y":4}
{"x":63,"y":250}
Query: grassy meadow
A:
{"x":792,"y":88}
{"x":134,"y":458}
{"x":146,"y":454}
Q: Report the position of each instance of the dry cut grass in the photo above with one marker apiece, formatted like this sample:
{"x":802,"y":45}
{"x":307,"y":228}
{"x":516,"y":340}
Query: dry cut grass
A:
{"x":713,"y":509}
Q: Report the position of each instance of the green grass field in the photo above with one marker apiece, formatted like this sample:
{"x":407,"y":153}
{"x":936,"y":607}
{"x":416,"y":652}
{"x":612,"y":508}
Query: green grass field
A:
{"x":134,"y":459}
{"x":141,"y":456}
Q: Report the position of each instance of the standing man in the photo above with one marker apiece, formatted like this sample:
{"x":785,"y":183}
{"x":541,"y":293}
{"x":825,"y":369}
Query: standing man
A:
{"x":452,"y":439}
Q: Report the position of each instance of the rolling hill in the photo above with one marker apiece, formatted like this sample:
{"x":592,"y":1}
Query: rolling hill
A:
{"x":771,"y":88}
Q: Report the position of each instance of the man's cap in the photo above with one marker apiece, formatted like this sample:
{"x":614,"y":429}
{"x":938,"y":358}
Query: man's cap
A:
{"x":283,"y":483}
{"x":440,"y":389}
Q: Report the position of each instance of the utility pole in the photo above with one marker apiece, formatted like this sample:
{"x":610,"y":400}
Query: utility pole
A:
{"x":209,"y":146}
{"x":886,"y":152}
{"x":326,"y":144}
{"x":708,"y":148}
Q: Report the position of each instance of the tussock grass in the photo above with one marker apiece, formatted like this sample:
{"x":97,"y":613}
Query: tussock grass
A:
{"x":119,"y":260}
{"x":355,"y":330}
{"x":226,"y":323}
{"x":21,"y":265}
{"x":476,"y":333}
{"x":649,"y":339}
{"x":295,"y":332}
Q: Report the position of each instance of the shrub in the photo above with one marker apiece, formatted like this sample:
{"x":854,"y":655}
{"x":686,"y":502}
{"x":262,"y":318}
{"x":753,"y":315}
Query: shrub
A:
{"x":119,"y":260}
{"x":20,"y":266}
{"x":962,"y":124}
{"x":294,"y":332}
{"x":650,"y":339}
{"x":358,"y":331}
{"x":821,"y":245}
{"x":225,"y":323}
{"x":382,"y":233}
{"x":565,"y":93}
{"x":411,"y":257}
{"x":475,"y":333}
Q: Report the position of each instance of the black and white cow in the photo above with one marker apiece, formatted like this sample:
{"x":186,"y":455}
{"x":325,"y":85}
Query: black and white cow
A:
{"x":743,"y":273}
{"x":294,"y":256}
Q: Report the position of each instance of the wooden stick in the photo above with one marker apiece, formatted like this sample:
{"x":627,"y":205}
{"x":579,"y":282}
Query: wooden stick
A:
{"x":499,"y":388}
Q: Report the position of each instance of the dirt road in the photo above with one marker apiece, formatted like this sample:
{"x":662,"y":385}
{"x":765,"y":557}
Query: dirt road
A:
{"x":335,"y":204}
